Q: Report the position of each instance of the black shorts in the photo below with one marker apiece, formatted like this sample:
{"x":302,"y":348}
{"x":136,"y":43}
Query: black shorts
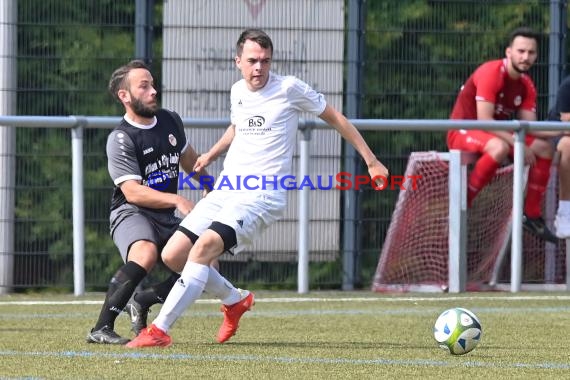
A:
{"x":130,"y":224}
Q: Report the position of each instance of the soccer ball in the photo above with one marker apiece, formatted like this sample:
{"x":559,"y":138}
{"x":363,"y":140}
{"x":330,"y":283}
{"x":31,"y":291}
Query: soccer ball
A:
{"x":457,"y":330}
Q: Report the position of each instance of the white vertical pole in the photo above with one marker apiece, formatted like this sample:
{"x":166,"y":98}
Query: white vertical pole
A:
{"x":78,"y":211}
{"x":8,"y":39}
{"x":457,"y":267}
{"x":518,"y":204}
{"x":303,"y":264}
{"x":550,"y":205}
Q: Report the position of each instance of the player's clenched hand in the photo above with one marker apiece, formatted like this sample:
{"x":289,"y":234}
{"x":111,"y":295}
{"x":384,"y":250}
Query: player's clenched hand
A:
{"x":202,"y":162}
{"x":529,"y":156}
{"x":184,"y":206}
{"x":378,"y":172}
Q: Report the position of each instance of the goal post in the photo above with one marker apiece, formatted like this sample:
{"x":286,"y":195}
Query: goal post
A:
{"x":457,"y":267}
{"x":429,"y":246}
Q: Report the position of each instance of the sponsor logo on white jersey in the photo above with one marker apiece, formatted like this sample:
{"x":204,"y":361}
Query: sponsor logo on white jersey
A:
{"x":255,"y":121}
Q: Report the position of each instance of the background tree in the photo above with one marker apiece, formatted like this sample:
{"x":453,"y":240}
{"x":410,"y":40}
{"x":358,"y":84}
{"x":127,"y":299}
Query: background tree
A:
{"x":67,"y":50}
{"x":418,"y":53}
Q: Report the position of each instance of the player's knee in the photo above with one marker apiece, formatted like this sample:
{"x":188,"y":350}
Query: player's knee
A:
{"x":564,"y":147}
{"x":209,"y":246}
{"x":175,"y":253}
{"x":172,"y":260}
{"x":144,"y":253}
{"x":497,"y":148}
{"x":217,"y":239}
{"x":542,"y":148}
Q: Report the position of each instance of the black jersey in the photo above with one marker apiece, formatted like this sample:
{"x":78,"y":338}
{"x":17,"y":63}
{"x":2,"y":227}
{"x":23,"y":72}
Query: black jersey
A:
{"x":562,"y":101}
{"x":150,"y":155}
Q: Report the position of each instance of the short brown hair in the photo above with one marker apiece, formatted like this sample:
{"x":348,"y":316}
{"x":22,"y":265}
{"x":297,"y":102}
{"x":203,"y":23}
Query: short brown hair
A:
{"x":523,"y":32}
{"x":118,"y":79}
{"x":256,"y":35}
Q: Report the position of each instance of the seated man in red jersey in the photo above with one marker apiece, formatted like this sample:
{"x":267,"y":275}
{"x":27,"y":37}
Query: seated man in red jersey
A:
{"x":502,"y":90}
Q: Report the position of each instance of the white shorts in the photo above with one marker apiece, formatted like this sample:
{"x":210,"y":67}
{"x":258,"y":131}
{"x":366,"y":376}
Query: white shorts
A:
{"x":248,"y":212}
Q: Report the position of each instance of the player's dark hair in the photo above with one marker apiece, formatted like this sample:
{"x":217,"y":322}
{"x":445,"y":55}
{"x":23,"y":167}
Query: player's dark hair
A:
{"x":256,"y":35}
{"x":523,"y":32}
{"x":118,"y":79}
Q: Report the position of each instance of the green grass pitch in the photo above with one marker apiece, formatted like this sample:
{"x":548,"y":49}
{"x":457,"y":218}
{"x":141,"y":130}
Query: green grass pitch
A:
{"x":321,"y":335}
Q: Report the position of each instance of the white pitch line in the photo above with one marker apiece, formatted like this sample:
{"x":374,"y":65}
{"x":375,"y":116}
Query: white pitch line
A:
{"x":292,"y":360}
{"x":318,"y":299}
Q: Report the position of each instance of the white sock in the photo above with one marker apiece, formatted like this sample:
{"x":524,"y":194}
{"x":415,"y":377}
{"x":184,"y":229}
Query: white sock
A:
{"x":564,"y":207}
{"x":221,"y":288}
{"x":185,"y":291}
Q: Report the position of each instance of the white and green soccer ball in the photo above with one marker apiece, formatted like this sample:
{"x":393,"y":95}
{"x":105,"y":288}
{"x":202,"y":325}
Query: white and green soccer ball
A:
{"x":457,"y":330}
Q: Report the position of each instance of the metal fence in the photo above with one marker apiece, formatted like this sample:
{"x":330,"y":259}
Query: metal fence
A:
{"x":79,"y":271}
{"x":403,"y":60}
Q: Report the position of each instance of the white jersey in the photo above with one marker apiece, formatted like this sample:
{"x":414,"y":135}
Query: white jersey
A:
{"x":266,"y":124}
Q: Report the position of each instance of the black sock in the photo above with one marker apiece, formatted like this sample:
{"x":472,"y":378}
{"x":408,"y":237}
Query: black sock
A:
{"x":156,"y":293}
{"x":121,"y":288}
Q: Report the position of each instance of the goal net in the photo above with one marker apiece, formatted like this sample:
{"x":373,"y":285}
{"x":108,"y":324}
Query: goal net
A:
{"x":416,"y":249}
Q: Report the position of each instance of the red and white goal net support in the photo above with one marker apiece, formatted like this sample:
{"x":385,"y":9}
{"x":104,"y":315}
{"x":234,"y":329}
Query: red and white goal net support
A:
{"x":434,"y":244}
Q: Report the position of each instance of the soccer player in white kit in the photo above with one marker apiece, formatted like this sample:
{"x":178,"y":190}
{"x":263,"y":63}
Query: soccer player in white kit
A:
{"x":265,"y":109}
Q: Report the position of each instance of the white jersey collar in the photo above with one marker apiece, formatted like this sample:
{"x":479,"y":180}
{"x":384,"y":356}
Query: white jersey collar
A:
{"x":138,"y":125}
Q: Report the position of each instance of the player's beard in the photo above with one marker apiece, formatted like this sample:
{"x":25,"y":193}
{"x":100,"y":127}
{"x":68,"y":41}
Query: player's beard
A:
{"x":519,"y":70}
{"x":140,"y":109}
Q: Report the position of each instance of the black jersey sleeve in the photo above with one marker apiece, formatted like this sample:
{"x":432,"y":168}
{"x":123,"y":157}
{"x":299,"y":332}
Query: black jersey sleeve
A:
{"x":121,"y":158}
{"x":563,"y":97}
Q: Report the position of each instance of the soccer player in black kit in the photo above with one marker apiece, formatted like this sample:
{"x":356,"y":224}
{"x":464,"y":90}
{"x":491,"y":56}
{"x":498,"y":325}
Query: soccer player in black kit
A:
{"x":144,"y":153}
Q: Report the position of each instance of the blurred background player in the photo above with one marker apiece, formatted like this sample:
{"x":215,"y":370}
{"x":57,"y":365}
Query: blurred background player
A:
{"x":144,"y":153}
{"x":265,"y":110}
{"x":502,"y":90}
{"x":561,"y":112}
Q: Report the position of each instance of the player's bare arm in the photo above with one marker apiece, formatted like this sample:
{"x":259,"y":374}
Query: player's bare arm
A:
{"x":216,"y":150}
{"x":565,"y":116}
{"x":486,"y":112}
{"x":531,"y":116}
{"x":349,"y":132}
{"x":188,"y":160}
{"x":145,"y":196}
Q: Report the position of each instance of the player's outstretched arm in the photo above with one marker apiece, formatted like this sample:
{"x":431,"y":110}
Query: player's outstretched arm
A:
{"x":531,"y":116}
{"x":188,"y":161}
{"x":146,"y":196}
{"x":349,"y":132}
{"x":216,"y":150}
